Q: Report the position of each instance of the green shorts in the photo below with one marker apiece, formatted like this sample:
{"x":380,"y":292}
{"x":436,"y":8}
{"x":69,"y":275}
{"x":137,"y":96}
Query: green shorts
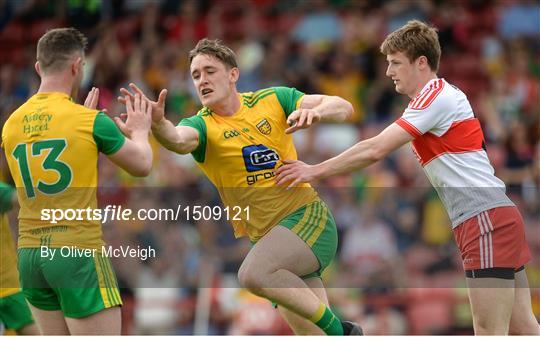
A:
{"x":315,"y":225}
{"x":78,"y":285}
{"x":14,"y":312}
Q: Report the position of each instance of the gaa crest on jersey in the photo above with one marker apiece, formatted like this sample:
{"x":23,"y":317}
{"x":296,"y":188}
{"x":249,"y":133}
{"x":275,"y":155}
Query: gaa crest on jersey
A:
{"x":264,"y":127}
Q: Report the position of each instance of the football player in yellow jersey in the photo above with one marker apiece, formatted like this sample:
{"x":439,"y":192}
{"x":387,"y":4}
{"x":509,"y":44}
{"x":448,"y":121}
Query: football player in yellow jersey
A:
{"x":238,"y":140}
{"x":52,"y":145}
{"x":14,"y":311}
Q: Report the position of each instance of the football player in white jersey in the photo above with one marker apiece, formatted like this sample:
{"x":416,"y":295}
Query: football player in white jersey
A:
{"x":449,"y":144}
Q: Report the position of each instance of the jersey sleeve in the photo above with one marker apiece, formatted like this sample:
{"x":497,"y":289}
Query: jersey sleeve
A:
{"x":289,"y":98}
{"x":434,"y":116}
{"x":6,"y":195}
{"x":197,"y":123}
{"x":106,"y":134}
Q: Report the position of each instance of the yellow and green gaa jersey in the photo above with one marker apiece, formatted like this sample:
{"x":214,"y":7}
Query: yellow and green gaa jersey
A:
{"x":51,"y":145}
{"x":240,"y":154}
{"x":9,"y":277}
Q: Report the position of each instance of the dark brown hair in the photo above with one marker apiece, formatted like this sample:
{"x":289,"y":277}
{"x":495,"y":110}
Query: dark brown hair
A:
{"x":415,"y":39}
{"x":214,"y":48}
{"x":57,"y":46}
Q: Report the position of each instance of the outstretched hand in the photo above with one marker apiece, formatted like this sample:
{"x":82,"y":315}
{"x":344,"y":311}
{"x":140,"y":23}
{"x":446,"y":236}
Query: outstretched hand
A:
{"x":295,"y":172}
{"x":138,"y":112}
{"x":157,"y":107}
{"x":302,"y":119}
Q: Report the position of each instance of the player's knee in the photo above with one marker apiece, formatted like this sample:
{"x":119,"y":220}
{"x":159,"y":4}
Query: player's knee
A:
{"x":250,"y":279}
{"x":485,"y":326}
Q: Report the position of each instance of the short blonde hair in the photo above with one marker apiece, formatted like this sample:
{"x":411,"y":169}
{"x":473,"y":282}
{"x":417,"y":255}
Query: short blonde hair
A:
{"x":415,"y":39}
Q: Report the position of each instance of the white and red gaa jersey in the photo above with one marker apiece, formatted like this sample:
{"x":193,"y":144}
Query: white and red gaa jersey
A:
{"x":449,"y":144}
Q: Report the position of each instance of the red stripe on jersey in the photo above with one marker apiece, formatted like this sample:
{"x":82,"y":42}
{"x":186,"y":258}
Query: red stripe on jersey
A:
{"x":425,"y":101}
{"x":420,"y":96}
{"x":409,"y":127}
{"x":418,"y":101}
{"x":463,"y":136}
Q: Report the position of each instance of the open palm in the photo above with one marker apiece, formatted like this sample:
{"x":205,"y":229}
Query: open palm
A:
{"x":158,"y":107}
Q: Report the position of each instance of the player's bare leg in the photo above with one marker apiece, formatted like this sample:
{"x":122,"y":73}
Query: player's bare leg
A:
{"x":104,"y":322}
{"x":298,"y":324}
{"x":523,"y":321}
{"x":49,"y":322}
{"x":272,"y":267}
{"x":30,"y":329}
{"x":491,"y":300}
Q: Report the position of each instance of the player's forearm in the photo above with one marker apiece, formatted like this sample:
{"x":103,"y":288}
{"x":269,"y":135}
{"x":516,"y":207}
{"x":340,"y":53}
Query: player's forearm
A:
{"x":335,"y":109}
{"x":168,"y":136}
{"x":144,"y":154}
{"x":357,"y":157}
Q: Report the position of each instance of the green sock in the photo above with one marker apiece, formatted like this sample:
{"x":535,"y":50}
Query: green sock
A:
{"x":325,"y":319}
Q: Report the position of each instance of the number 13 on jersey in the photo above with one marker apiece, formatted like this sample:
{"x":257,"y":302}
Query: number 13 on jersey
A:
{"x":24,"y":154}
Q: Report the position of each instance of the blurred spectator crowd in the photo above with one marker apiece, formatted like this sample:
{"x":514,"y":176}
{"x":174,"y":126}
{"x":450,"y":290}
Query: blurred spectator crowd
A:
{"x":397,"y":270}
